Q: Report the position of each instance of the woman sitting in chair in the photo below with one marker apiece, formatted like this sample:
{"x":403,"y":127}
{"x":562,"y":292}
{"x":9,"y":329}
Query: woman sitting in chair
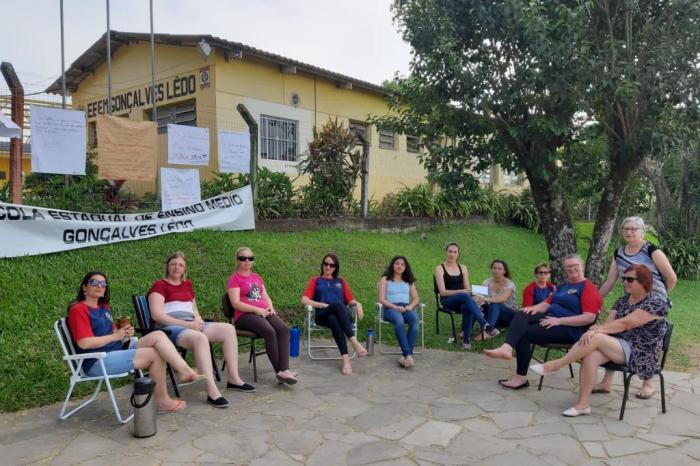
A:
{"x":633,"y":335}
{"x":174,"y":309}
{"x":539,"y":290}
{"x":329,"y":295}
{"x":92,"y":329}
{"x":398,"y":295}
{"x":500,"y":302}
{"x":253,"y":311}
{"x":452,"y":284}
{"x":561,"y":318}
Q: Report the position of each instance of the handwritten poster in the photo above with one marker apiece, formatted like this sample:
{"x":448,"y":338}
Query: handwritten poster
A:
{"x":127,"y":149}
{"x":234,"y":152}
{"x":58,"y":140}
{"x":188,"y":145}
{"x":179,"y":187}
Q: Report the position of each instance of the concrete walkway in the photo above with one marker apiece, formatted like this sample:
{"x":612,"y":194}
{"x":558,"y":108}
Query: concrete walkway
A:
{"x":447,"y":410}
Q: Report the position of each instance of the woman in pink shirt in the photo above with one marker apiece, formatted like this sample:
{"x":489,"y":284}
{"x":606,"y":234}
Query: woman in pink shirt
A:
{"x":253,"y":311}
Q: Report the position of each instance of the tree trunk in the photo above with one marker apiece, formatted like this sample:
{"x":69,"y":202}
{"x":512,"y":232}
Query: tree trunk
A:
{"x":620,"y":170}
{"x":653,"y":171}
{"x":558,"y":231}
{"x":683,"y":198}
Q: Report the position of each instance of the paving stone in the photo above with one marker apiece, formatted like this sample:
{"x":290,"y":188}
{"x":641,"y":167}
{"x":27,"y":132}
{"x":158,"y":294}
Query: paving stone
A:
{"x":676,"y":422}
{"x":432,"y":433}
{"x":183,"y":454}
{"x":36,"y":449}
{"x":628,"y":446}
{"x":398,"y":429}
{"x":356,"y":438}
{"x":563,"y":447}
{"x":454,"y":412}
{"x":594,"y":449}
{"x":241,"y":448}
{"x":437,"y":456}
{"x":654,"y":458}
{"x":511,"y":420}
{"x":661,"y":439}
{"x":591,"y":432}
{"x":482,"y":424}
{"x":330,"y":453}
{"x":513,"y":458}
{"x":478,"y":445}
{"x":686,"y":401}
{"x":373,"y":452}
{"x":691,"y":448}
{"x":274,"y":458}
{"x":84,"y":447}
{"x":297,"y":442}
{"x":538,"y":430}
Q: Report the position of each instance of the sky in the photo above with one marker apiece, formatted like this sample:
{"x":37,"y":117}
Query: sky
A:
{"x":354,"y":37}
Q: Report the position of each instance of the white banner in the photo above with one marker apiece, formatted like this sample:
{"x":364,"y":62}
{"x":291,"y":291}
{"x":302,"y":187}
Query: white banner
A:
{"x":27,"y":230}
{"x":234,"y":152}
{"x":179,"y":187}
{"x":58,"y":140}
{"x":188,"y":145}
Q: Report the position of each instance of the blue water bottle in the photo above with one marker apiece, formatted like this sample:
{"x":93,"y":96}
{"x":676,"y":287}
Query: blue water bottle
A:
{"x":294,"y":342}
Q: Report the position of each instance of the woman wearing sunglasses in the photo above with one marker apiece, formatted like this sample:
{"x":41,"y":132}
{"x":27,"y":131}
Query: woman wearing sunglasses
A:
{"x":329,"y":295}
{"x":633,"y":335}
{"x":92,"y":329}
{"x":253,"y":311}
{"x":539,"y":290}
{"x":174,"y":309}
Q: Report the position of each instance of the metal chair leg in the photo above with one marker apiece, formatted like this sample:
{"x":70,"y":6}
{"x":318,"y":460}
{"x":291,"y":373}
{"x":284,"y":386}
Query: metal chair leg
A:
{"x":214,"y":366}
{"x":546,"y":356}
{"x":627,"y":379}
{"x":454,"y":331}
{"x":253,"y":357}
{"x":663,"y":392}
{"x":173,"y":382}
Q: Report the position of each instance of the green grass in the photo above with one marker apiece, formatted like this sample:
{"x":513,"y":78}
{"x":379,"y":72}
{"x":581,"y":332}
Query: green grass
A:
{"x":35,"y":290}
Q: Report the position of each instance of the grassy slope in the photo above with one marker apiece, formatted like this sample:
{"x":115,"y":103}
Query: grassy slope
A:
{"x":35,"y":290}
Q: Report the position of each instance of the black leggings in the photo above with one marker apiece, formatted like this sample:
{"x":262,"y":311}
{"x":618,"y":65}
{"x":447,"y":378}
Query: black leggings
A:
{"x":525,"y":330}
{"x":275,"y":333}
{"x":336,"y":317}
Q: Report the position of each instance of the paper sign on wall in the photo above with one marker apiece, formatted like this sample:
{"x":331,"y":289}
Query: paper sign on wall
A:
{"x":234,"y":152}
{"x":127,"y":149}
{"x":179,"y":187}
{"x":58,"y":140}
{"x":188,"y":145}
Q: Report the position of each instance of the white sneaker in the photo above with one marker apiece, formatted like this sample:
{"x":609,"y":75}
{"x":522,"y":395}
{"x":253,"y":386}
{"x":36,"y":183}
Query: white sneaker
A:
{"x":573,"y":412}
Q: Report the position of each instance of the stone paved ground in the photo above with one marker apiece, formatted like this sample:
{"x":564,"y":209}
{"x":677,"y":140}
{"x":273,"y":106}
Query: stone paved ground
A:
{"x":447,"y":410}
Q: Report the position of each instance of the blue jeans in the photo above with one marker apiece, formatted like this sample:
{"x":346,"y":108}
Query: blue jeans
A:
{"x":406,"y":338}
{"x":464,"y":304}
{"x":498,"y":314}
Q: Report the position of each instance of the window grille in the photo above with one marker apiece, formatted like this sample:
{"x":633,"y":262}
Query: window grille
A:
{"x":413,"y":144}
{"x":181,"y":114}
{"x":278,"y":138}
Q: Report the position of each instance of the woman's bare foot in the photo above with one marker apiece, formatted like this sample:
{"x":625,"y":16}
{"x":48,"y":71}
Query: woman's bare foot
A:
{"x":170,"y":405}
{"x":346,"y":370}
{"x":502,"y":352}
{"x":411,"y":362}
{"x":601,"y":388}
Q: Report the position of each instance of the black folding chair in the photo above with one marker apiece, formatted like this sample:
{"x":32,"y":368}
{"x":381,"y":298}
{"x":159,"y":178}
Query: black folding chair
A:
{"x":143,"y":316}
{"x":439,"y":309}
{"x":227,"y":307}
{"x":627,"y":372}
{"x":563,"y":347}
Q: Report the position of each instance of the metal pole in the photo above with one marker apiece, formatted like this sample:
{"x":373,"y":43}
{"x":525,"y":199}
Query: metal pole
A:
{"x":16,"y":144}
{"x":63,"y":63}
{"x":109,"y":64}
{"x":153,"y":68}
{"x":253,"y":129}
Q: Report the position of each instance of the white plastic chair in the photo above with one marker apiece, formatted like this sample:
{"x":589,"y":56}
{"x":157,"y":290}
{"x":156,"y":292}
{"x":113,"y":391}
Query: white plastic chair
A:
{"x":310,"y":326}
{"x":381,"y":323}
{"x":75,"y":364}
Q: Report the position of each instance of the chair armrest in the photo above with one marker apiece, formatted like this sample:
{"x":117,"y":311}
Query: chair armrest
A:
{"x":77,"y":357}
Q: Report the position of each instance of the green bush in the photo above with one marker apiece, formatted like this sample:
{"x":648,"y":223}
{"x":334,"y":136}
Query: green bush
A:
{"x":275,"y":195}
{"x":684,"y":255}
{"x":416,"y":201}
{"x":222,"y":183}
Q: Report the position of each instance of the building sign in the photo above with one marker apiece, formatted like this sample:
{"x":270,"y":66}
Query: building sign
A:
{"x":204,"y":77}
{"x":28,"y":231}
{"x":179,"y":86}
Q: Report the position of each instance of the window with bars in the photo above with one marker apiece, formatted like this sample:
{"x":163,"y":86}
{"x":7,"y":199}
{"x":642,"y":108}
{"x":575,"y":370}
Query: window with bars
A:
{"x":412,"y":143}
{"x":180,"y":114}
{"x":278,"y":138}
{"x":387,"y":139}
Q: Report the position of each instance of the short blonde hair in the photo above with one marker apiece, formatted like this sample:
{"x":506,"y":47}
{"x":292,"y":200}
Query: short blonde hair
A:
{"x":175,"y":255}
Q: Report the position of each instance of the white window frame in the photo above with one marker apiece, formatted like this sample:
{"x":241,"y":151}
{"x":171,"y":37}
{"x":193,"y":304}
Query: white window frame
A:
{"x":272,"y":138}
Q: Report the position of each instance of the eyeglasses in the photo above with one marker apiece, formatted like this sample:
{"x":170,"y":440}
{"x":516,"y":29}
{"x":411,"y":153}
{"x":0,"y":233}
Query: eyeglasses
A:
{"x":627,"y":279}
{"x":630,"y":229}
{"x":96,"y":282}
{"x":329,"y":264}
{"x":246,"y":258}
{"x":543,"y":272}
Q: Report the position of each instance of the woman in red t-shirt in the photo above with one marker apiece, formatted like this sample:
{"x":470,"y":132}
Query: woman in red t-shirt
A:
{"x":92,"y":330}
{"x":174,"y":309}
{"x":253,"y":311}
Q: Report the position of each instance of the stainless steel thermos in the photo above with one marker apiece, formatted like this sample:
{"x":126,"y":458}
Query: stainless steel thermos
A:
{"x":144,"y":407}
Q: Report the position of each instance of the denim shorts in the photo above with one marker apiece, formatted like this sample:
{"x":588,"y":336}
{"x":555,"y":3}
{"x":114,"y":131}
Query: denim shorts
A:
{"x":174,"y":331}
{"x":626,"y":348}
{"x":116,"y":362}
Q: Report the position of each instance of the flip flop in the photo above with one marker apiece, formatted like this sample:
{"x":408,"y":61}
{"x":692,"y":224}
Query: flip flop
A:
{"x":644,"y":396}
{"x":179,"y":404}
{"x":192,"y":379}
{"x":287,"y":380}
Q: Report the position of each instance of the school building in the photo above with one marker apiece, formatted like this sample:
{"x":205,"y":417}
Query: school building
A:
{"x":286,"y":97}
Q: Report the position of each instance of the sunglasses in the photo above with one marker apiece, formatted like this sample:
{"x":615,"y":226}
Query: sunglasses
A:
{"x":329,"y":264}
{"x":627,"y":279}
{"x":95,"y":282}
{"x":542,"y":272}
{"x":246,"y":258}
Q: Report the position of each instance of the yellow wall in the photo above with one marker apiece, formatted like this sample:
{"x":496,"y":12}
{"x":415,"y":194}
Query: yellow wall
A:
{"x":5,"y":166}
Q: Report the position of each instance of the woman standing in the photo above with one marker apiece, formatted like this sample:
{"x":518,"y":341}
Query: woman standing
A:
{"x":92,"y":329}
{"x":329,"y":294}
{"x":398,"y":295}
{"x":173,"y":307}
{"x":636,"y":250}
{"x":539,"y":290}
{"x":632,"y":336}
{"x":561,"y":318}
{"x":253,"y":311}
{"x":452,"y":284}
